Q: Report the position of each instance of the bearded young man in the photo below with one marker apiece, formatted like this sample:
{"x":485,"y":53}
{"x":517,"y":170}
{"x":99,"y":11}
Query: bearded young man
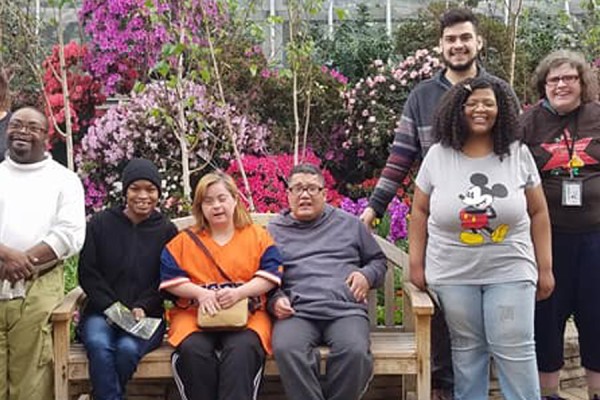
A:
{"x":460,"y":44}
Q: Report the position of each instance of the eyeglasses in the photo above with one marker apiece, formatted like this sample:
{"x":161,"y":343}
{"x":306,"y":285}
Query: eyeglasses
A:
{"x":567,"y":80}
{"x":486,"y":105}
{"x":312,"y":190}
{"x":18,"y":126}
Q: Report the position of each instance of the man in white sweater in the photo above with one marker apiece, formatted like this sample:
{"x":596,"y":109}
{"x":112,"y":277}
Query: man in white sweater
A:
{"x":42,"y":221}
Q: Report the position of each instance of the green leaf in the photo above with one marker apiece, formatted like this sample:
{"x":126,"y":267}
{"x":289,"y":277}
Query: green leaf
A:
{"x":340,"y":13}
{"x":162,"y":68}
{"x":205,"y":74}
{"x":179,"y":49}
{"x":168,"y":50}
{"x":275,"y":20}
{"x":138,"y":87}
{"x":285,"y":72}
{"x":253,"y":70}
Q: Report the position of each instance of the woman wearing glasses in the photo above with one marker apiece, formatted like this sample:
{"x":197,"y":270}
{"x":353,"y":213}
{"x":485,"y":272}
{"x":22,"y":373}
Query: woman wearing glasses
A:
{"x":480,"y":239}
{"x":563,"y":133}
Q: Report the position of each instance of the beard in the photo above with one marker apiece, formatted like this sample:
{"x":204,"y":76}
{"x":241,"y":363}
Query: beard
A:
{"x":464,"y":66}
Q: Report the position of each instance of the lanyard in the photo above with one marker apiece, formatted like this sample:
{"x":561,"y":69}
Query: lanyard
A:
{"x":574,"y":161}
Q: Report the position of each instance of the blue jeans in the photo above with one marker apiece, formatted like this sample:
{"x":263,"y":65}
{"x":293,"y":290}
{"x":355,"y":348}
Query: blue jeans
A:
{"x":491,"y":320}
{"x":113,"y":355}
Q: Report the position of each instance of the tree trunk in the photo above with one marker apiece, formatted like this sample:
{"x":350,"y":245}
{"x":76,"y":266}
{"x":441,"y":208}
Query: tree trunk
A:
{"x":65,"y":90}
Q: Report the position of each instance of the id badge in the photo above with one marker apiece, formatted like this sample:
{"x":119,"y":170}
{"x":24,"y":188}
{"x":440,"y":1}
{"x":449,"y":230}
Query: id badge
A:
{"x":572,"y":192}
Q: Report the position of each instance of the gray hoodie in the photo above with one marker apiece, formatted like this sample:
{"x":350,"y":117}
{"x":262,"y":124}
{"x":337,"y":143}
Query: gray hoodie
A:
{"x":319,"y":255}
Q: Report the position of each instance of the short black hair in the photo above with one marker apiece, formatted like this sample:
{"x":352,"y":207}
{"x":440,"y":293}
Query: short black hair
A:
{"x":38,"y":111}
{"x":457,"y":16}
{"x":310,"y":169}
{"x":450,"y":128}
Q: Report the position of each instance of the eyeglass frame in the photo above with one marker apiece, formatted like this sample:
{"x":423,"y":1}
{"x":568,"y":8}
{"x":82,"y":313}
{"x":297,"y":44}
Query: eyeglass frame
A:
{"x":312,"y":190}
{"x":567,"y":79}
{"x":19,"y":126}
{"x":474,"y":106}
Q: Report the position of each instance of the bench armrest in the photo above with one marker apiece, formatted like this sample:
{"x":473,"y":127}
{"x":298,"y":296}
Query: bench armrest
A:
{"x":64,"y":311}
{"x":420,"y":302}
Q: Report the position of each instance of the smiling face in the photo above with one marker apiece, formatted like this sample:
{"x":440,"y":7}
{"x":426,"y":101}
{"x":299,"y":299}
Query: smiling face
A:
{"x":563,"y":88}
{"x":481,"y":111}
{"x":460,"y":45}
{"x":142,"y":199}
{"x":27,"y":135}
{"x":305,"y":206}
{"x":218,"y":206}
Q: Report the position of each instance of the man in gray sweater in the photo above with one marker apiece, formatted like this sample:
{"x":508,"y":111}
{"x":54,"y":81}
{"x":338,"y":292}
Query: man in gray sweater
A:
{"x":331,"y":261}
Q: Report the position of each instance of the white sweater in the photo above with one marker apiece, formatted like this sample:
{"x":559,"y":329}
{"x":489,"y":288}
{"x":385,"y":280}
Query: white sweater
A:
{"x":41,"y":202}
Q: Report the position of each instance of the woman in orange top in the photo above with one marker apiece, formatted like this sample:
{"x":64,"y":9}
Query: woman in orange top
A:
{"x":223,"y":365}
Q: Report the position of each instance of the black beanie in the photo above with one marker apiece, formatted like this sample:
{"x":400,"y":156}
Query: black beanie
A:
{"x":140,"y":168}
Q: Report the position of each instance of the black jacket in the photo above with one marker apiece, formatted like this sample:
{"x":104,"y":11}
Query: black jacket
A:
{"x":120,"y":261}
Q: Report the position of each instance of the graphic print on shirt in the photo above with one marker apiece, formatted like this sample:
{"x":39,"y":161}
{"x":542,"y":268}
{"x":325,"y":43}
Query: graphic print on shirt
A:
{"x":478,"y":211}
{"x":561,"y":157}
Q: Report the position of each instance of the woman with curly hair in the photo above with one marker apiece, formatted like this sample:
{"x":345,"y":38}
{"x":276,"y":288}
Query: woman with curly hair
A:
{"x":479,"y":239}
{"x":563,"y":133}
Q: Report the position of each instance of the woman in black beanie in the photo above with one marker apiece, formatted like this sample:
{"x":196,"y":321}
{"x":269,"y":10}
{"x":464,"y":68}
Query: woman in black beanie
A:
{"x":120,"y":262}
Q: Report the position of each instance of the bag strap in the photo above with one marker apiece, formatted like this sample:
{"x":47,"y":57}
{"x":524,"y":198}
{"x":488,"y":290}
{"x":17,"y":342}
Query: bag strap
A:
{"x":202,"y":247}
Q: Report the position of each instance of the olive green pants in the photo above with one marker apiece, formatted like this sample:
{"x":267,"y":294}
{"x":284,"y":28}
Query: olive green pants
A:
{"x":26,"y":369}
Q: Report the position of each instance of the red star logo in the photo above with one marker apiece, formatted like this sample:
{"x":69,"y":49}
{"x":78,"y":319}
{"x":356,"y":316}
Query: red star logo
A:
{"x":560,"y":154}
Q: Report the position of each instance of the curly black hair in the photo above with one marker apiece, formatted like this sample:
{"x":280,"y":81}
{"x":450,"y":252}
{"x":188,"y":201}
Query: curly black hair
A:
{"x":450,"y":127}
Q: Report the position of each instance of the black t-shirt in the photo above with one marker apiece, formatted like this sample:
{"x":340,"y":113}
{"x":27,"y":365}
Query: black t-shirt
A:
{"x":3,"y":126}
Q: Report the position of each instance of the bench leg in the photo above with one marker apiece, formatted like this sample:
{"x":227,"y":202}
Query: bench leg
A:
{"x":61,"y":355}
{"x":423,"y":358}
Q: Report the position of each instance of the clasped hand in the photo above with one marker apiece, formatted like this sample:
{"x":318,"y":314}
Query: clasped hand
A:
{"x":17,"y":265}
{"x":212,"y":301}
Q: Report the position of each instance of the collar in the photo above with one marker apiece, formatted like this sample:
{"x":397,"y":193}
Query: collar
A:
{"x":546,"y":105}
{"x":28,"y":167}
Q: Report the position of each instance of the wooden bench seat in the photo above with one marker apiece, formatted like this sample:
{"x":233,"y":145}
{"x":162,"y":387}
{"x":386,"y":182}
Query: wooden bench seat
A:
{"x":397,"y":350}
{"x":389,"y":350}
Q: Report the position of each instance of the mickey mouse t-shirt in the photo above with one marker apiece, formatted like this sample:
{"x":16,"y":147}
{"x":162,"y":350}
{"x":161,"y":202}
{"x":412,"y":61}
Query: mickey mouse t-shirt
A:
{"x":478,"y":225}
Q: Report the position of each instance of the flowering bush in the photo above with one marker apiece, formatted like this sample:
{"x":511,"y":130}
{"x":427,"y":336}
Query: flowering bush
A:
{"x":84,"y":91}
{"x":394,"y":225}
{"x":127,"y":36}
{"x":267,"y":179}
{"x":124,"y":43}
{"x":374,"y":107}
{"x":145,"y":127}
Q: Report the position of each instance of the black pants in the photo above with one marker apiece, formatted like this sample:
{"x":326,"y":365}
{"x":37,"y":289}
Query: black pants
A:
{"x":219,"y":366}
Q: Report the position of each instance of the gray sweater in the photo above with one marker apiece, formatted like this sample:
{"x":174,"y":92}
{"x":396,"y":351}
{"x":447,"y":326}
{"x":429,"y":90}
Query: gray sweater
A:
{"x":318,"y":256}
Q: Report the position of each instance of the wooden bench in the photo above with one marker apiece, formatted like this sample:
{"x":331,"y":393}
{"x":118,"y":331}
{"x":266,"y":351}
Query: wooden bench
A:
{"x":397,"y":350}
